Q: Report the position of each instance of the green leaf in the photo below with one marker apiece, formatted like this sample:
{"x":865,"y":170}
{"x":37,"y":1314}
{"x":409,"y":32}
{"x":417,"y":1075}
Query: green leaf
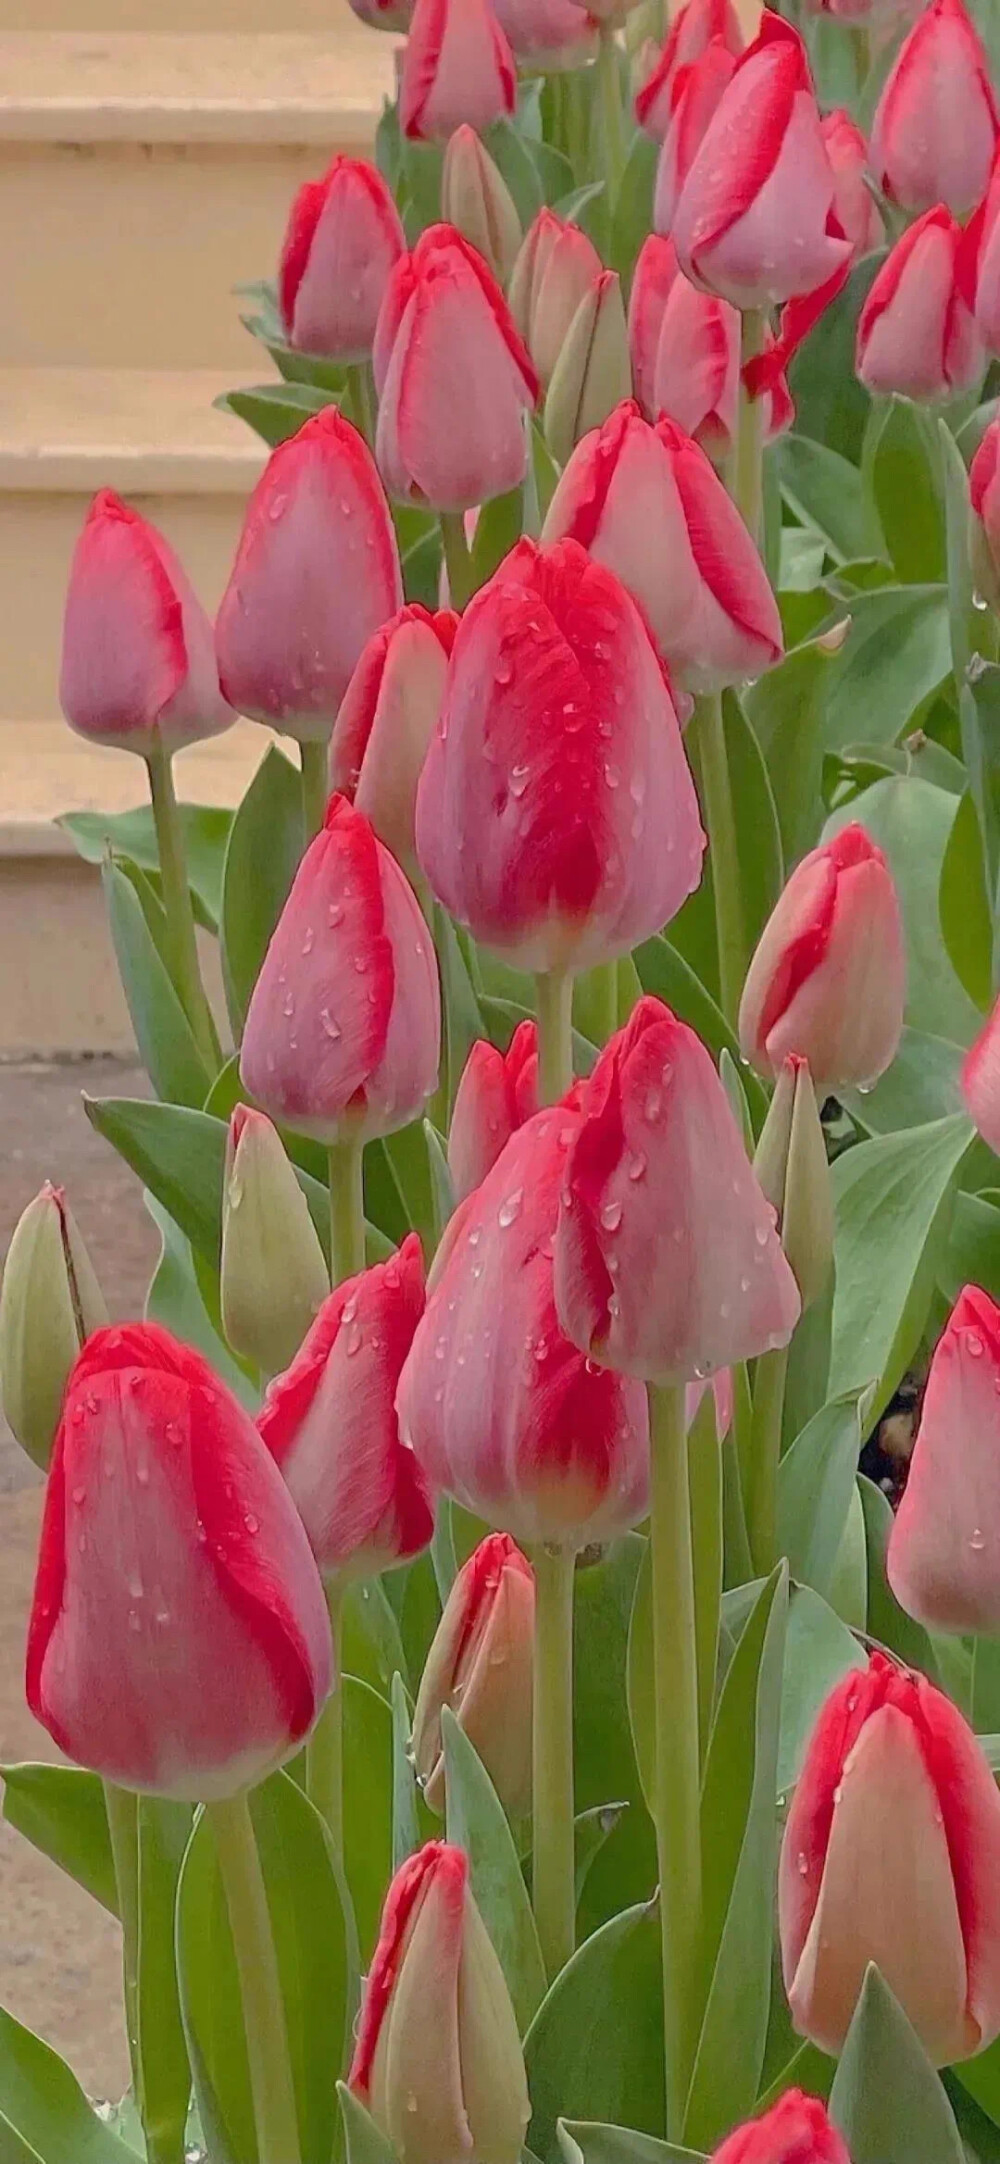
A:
{"x":595,"y":2047}
{"x":785,"y":707}
{"x":409,"y":1159}
{"x":922,"y":1084}
{"x":624,"y":1869}
{"x":665,"y":972}
{"x":902,"y":464}
{"x":887,"y":2100}
{"x":367,"y":1805}
{"x":363,"y":2142}
{"x":827,"y":493}
{"x":163,"y":1033}
{"x":972,"y":1256}
{"x":518,"y":168}
{"x":911,"y":820}
{"x":819,"y":1650}
{"x":175,"y":1299}
{"x":265,"y":845}
{"x":497,"y":528}
{"x":758,"y":839}
{"x":60,"y":1810}
{"x":815,"y":1485}
{"x":640,"y":1686}
{"x":370,"y":1643}
{"x":957,"y":515}
{"x":979,"y":709}
{"x":633,"y":212}
{"x":581,"y":2142}
{"x":275,"y":411}
{"x":178,"y":1154}
{"x":888,"y":1623}
{"x":163,"y":1833}
{"x":892,"y":1198}
{"x":405,"y":1822}
{"x":896,"y":654}
{"x":964,"y":906}
{"x":44,"y":2116}
{"x":831,"y":406}
{"x":476,"y":1822}
{"x":591,"y":1829}
{"x":205,"y":830}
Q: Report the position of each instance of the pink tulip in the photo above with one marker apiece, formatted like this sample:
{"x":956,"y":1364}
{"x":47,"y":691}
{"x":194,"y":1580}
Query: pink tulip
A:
{"x":502,"y":1411}
{"x":480,"y":1667}
{"x":497,"y":1093}
{"x":855,"y":206}
{"x":983,"y":258}
{"x":935,"y":126}
{"x":695,"y":95}
{"x":547,"y":34}
{"x":445,"y":333}
{"x":667,"y":1265}
{"x":685,"y":347}
{"x":893,"y":1776}
{"x":344,"y":234}
{"x":179,"y":1639}
{"x":457,"y":66}
{"x":944,"y":1550}
{"x":343,"y":1032}
{"x":754,"y":221}
{"x":138,"y":663}
{"x":555,"y":270}
{"x":981,"y":1066}
{"x":796,"y":2130}
{"x":916,"y":334}
{"x":386,"y":721}
{"x":556,"y":815}
{"x":693,"y":28}
{"x":316,"y":572}
{"x":645,"y":501}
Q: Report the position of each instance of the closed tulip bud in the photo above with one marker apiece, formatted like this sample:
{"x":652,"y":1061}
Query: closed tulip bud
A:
{"x":343,"y":237}
{"x":791,"y":1165}
{"x":796,"y":2130}
{"x":386,"y":721}
{"x":438,"y":2061}
{"x":316,"y":572}
{"x":547,"y":35}
{"x":179,"y":1640}
{"x":943,"y":1562}
{"x":981,"y":1081}
{"x":935,"y":126}
{"x":501,"y":1409}
{"x":893,"y":1773}
{"x":685,"y":348}
{"x":693,"y":29}
{"x":444,"y":327}
{"x":982,"y":259}
{"x":476,"y":200}
{"x":480,"y":1667}
{"x":853,"y":202}
{"x":457,"y":66}
{"x":497,"y":1093}
{"x":916,"y":333}
{"x":593,"y":371}
{"x":50,"y":1301}
{"x":138,"y":660}
{"x":754,"y":217}
{"x":667,"y":1262}
{"x":556,"y":815}
{"x":828,"y":977}
{"x":695,"y":94}
{"x":645,"y":501}
{"x":555,"y":269}
{"x":273,"y":1276}
{"x":343,"y":1033}
{"x":330,"y":1423}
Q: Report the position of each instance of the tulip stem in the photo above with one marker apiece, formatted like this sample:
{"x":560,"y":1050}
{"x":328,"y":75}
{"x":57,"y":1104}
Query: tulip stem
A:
{"x":325,"y":1748}
{"x":260,"y":1982}
{"x":553,"y":1864}
{"x":315,"y":758}
{"x":123,"y":1828}
{"x":720,"y":819}
{"x":361,"y":389}
{"x":609,"y":85}
{"x":748,"y":476}
{"x":347,"y":1210}
{"x":677,"y":1778}
{"x":765,"y":1456}
{"x":177,"y":907}
{"x":554,"y":1001}
{"x":457,"y":557}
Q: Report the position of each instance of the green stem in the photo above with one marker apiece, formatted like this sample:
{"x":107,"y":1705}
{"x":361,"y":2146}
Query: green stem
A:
{"x":123,"y":1827}
{"x":765,"y":1456}
{"x":678,"y":1796}
{"x":361,"y":384}
{"x":595,"y":997}
{"x":609,"y":84}
{"x":720,"y":819}
{"x":325,"y":1748}
{"x":748,"y":478}
{"x":177,"y":907}
{"x":315,"y":758}
{"x":260,"y":1983}
{"x":554,"y":1004}
{"x":458,"y":561}
{"x":347,"y":1210}
{"x":705,"y":1484}
{"x":553,"y":1859}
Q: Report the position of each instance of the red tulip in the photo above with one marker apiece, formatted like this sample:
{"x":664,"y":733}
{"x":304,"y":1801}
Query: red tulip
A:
{"x":893,"y":1778}
{"x":796,"y":2130}
{"x":685,"y":347}
{"x":981,"y":1066}
{"x":982,"y":253}
{"x":546,"y":34}
{"x":754,"y":217}
{"x":935,"y":126}
{"x":343,"y":1031}
{"x":501,"y":1409}
{"x":386,"y":721}
{"x":497,"y":1093}
{"x":555,"y":269}
{"x":457,"y":66}
{"x":316,"y":572}
{"x":444,"y":332}
{"x":645,"y":501}
{"x":916,"y":334}
{"x":179,"y":1639}
{"x":693,"y":28}
{"x":667,"y":1261}
{"x":138,"y":663}
{"x":944,"y":1552}
{"x":828,"y":977}
{"x":853,"y":202}
{"x":556,"y":815}
{"x":343,"y":237}
{"x":480,"y":1667}
{"x":695,"y":95}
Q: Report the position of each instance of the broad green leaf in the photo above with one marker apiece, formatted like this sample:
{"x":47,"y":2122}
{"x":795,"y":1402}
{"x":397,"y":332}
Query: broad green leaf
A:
{"x":591,"y":1830}
{"x":624,"y":1869}
{"x":370,"y":1644}
{"x":461,"y":1019}
{"x":175,"y":1299}
{"x":957,"y":514}
{"x":892,"y":1197}
{"x":785,"y":706}
{"x":664,"y":972}
{"x":903,"y":469}
{"x":497,"y":528}
{"x":514,"y":159}
{"x":265,"y":845}
{"x":275,"y":411}
{"x":405,"y":1823}
{"x":367,"y":1805}
{"x":848,"y":1594}
{"x":476,"y":1822}
{"x":163,"y":1832}
{"x":911,"y":820}
{"x":163,"y":1033}
{"x":443,"y":1192}
{"x":60,"y":1810}
{"x":819,"y":1649}
{"x":979,"y":709}
{"x":633,"y":212}
{"x":887,"y":2099}
{"x":178,"y":1154}
{"x":831,"y":405}
{"x":132,"y":834}
{"x":888,"y":1623}
{"x":815,"y":1486}
{"x":827,"y":493}
{"x":922,"y":1084}
{"x":972,"y":1256}
{"x":595,"y":2047}
{"x":581,"y":2142}
{"x":896,"y":654}
{"x":409,"y":1158}
{"x":964,"y":906}
{"x":363,"y":2142}
{"x":758,"y":839}
{"x":981,"y":2076}
{"x":44,"y":2116}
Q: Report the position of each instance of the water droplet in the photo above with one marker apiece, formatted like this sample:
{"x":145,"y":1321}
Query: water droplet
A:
{"x":79,"y":1495}
{"x":77,"y":1415}
{"x":974,"y":1345}
{"x":309,"y":941}
{"x":411,"y":2102}
{"x":135,"y":1586}
{"x":288,"y":1004}
{"x":518,"y":780}
{"x":637,"y":1165}
{"x":978,"y":1541}
{"x":277,"y":507}
{"x":162,"y":1616}
{"x":611,"y":774}
{"x":172,"y":1432}
{"x":252,"y":1524}
{"x":744,"y":1284}
{"x":611,"y":1216}
{"x":335,"y":914}
{"x":330,"y":1027}
{"x":142,"y":1474}
{"x":200,"y":1533}
{"x":802,"y":1863}
{"x":509,"y":1208}
{"x":93,"y":1403}
{"x":761,"y":1234}
{"x":475,"y":1235}
{"x":838,"y":1792}
{"x":440,"y":1348}
{"x":653,"y":1106}
{"x":361,"y":964}
{"x":353,"y":1340}
{"x":134,"y":1620}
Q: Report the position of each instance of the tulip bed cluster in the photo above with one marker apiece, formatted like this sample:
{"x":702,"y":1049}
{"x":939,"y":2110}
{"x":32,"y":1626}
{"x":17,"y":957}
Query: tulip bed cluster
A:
{"x":501,"y":1713}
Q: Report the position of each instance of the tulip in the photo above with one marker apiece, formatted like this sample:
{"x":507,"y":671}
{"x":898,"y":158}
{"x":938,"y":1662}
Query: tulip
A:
{"x":982,"y":253}
{"x":50,"y":1301}
{"x":386,"y":721}
{"x":944,"y":1547}
{"x":438,"y":2061}
{"x":693,"y":28}
{"x":498,"y":1091}
{"x":685,"y":348}
{"x":827,"y":980}
{"x":457,"y":67}
{"x":893,"y":1775}
{"x":667,"y":1262}
{"x":856,"y":209}
{"x":476,"y":200}
{"x":796,"y":2130}
{"x":721,"y":1387}
{"x":695,"y":95}
{"x":935,"y":126}
{"x":645,"y":501}
{"x":547,"y":35}
{"x":330,"y":1423}
{"x":179,"y":1639}
{"x":556,"y":815}
{"x":316,"y":572}
{"x":342,"y":1037}
{"x":916,"y":333}
{"x":791,"y":1164}
{"x":444,"y":327}
{"x":501,"y":1409}
{"x":479,"y":1666}
{"x":138,"y":664}
{"x":555,"y":269}
{"x":273,"y":1277}
{"x":754,"y":217}
{"x":343,"y":237}
{"x":981,"y":1076}
{"x":593,"y":371}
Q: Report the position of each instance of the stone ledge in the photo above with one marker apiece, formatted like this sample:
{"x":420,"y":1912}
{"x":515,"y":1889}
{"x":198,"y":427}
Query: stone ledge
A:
{"x":45,"y":771}
{"x":149,"y":431}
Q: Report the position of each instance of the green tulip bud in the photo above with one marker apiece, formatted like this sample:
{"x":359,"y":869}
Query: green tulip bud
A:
{"x":792,"y":1169}
{"x":274,"y":1278}
{"x":476,"y":199}
{"x":50,"y":1301}
{"x":593,"y":372}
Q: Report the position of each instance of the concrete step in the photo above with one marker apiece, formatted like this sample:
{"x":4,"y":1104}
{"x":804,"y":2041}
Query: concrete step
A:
{"x":144,"y":175}
{"x":101,"y":16}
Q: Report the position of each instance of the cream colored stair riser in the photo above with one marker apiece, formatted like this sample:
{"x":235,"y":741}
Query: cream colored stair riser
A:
{"x":191,"y":16}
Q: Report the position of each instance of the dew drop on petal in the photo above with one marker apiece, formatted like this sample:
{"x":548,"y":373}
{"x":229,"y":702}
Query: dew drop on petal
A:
{"x":509,"y":1207}
{"x":611,"y":1216}
{"x":974,"y":1345}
